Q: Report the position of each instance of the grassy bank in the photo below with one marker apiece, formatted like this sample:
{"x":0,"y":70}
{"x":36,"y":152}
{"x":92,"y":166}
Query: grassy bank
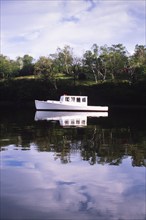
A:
{"x":107,"y":93}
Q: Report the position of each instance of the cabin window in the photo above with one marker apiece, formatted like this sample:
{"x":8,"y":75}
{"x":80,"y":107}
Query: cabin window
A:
{"x":83,"y":122}
{"x":72,"y":122}
{"x":73,"y":99}
{"x":66,"y":122}
{"x":67,"y":99}
{"x":83,"y":99}
{"x":77,"y":121}
{"x":78,"y":99}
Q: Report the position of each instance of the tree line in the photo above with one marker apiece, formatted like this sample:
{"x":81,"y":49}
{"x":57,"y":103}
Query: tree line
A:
{"x":100,"y":63}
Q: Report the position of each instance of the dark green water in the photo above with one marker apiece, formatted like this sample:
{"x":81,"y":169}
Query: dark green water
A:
{"x":96,"y":172}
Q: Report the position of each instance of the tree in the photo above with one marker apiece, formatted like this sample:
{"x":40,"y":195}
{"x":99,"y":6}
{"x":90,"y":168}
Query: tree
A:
{"x":65,"y":59}
{"x":43,"y":68}
{"x":8,"y":68}
{"x":137,"y":64}
{"x":93,"y":63}
{"x":139,"y":55}
{"x":117,"y":60}
{"x":77,"y":69}
{"x":104,"y":51}
{"x":14,"y":68}
{"x":26,"y":65}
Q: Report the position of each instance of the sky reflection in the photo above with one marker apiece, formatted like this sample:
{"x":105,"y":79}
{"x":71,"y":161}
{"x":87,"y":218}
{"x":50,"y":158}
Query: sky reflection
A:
{"x":36,"y":186}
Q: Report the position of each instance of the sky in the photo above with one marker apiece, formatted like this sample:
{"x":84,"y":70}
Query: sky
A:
{"x":39,"y":27}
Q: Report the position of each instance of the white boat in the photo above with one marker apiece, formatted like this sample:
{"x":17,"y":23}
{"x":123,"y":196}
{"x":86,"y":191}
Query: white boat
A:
{"x":68,"y":119}
{"x":68,"y":103}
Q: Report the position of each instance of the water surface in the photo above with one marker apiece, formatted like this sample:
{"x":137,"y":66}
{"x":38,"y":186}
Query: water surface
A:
{"x":95,"y":171}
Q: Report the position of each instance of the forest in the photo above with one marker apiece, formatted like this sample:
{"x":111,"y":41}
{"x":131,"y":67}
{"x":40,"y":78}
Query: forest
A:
{"x":98,"y":67}
{"x":99,"y":63}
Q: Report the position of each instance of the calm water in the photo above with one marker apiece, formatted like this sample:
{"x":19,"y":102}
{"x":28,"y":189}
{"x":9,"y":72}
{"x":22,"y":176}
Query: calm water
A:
{"x":94,"y":169}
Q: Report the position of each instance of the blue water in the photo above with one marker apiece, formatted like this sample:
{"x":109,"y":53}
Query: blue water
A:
{"x":49,"y":172}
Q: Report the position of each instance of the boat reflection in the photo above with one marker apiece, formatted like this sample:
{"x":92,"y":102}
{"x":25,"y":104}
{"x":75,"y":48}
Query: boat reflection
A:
{"x":68,"y":119}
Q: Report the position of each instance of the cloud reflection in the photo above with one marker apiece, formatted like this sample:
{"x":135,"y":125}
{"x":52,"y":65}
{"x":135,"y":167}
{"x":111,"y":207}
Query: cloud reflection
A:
{"x":42,"y":188}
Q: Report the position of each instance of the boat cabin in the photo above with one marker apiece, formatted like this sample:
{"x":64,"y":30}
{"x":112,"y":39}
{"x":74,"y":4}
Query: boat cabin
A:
{"x":74,"y":100}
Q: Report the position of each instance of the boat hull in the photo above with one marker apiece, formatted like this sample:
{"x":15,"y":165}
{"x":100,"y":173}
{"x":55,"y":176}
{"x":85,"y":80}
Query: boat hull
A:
{"x":57,"y":106}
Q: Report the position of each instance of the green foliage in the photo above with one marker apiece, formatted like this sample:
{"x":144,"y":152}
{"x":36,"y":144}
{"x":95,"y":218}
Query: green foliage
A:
{"x":27,"y":65}
{"x":108,"y":75}
{"x":8,"y":68}
{"x":65,"y":59}
{"x":102,"y":63}
{"x":44,"y":69}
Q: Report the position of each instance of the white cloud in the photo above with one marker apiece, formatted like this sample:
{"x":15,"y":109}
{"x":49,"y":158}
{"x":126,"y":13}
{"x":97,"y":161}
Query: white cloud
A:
{"x":39,"y":27}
